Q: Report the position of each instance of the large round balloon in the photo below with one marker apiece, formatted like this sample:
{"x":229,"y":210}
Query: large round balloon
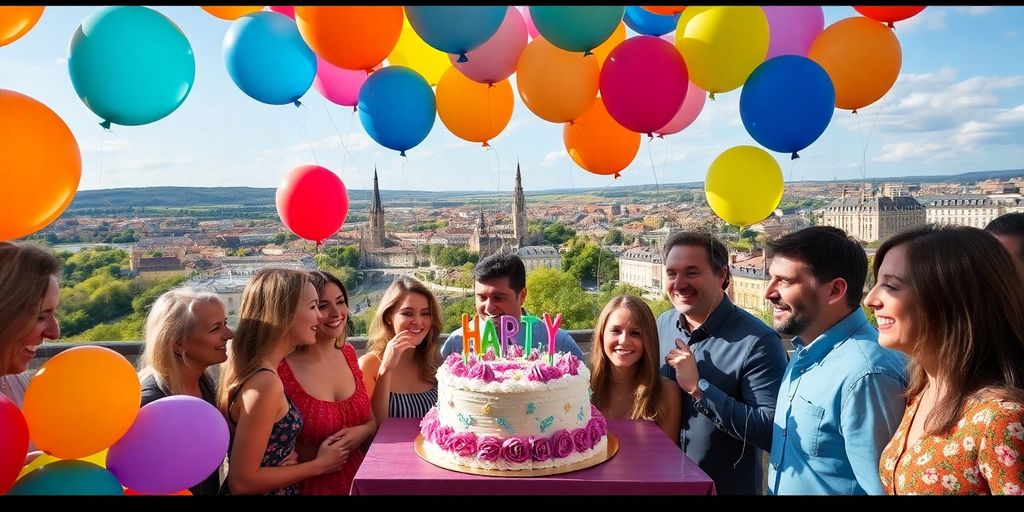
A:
{"x":350,"y":36}
{"x":231,"y":12}
{"x":397,"y":108}
{"x":647,"y":23}
{"x":81,"y":401}
{"x":598,"y":144}
{"x":13,"y":444}
{"x":99,"y":458}
{"x":130,"y":65}
{"x":40,"y":166}
{"x":530,"y":27}
{"x":722,"y":45}
{"x":17,"y":20}
{"x":787,"y":103}
{"x":743,"y":185}
{"x":793,"y":28}
{"x":175,"y":443}
{"x":287,"y":10}
{"x":267,"y":58}
{"x":643,"y":83}
{"x":862,"y":57}
{"x":68,"y":478}
{"x":665,"y":10}
{"x":556,"y":85}
{"x":693,"y":103}
{"x":889,"y":14}
{"x":456,"y":28}
{"x":497,"y":58}
{"x":338,"y":85}
{"x":415,"y":54}
{"x":312,"y":202}
{"x":576,"y":28}
{"x":471,"y":110}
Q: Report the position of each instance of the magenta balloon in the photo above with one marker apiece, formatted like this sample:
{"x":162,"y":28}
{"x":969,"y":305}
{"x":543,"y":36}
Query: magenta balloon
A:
{"x":497,"y":58}
{"x":287,"y":10}
{"x":530,"y":27}
{"x":793,"y":28}
{"x":688,"y":111}
{"x":338,"y":85}
{"x":643,"y":83}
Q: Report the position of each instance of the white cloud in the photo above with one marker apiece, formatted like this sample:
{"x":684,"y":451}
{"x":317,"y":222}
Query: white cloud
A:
{"x":928,"y":19}
{"x":109,"y":146}
{"x":554,"y":157}
{"x":912,"y":151}
{"x":977,"y":10}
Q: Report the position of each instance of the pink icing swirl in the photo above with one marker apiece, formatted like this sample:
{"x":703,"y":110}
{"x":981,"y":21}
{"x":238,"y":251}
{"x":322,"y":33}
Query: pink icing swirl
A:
{"x":429,"y":424}
{"x":595,"y":430}
{"x":568,"y":364}
{"x":515,"y":449}
{"x":534,"y":355}
{"x":488,"y":449}
{"x":489,"y":355}
{"x":482,"y":372}
{"x":540,"y":448}
{"x":462,"y":443}
{"x":562,"y":443}
{"x":514,"y":351}
{"x":581,"y":440}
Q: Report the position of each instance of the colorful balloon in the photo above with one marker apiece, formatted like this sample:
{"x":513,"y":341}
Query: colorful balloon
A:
{"x":397,"y":108}
{"x":743,"y":185}
{"x":693,"y":103}
{"x":643,"y":83}
{"x":231,"y":12}
{"x":287,"y":10}
{"x":889,"y":14}
{"x":576,"y":28}
{"x":497,"y":58}
{"x":267,"y":58}
{"x":415,"y":54}
{"x":647,"y":23}
{"x":793,"y":28}
{"x":312,"y":202}
{"x":99,"y":458}
{"x":604,"y":49}
{"x":13,"y":443}
{"x":40,"y":166}
{"x":68,"y":478}
{"x":456,"y":28}
{"x":722,"y":45}
{"x":130,"y":65}
{"x":598,"y":144}
{"x":665,"y":10}
{"x":861,"y":57}
{"x":350,"y":36}
{"x":787,"y":103}
{"x":338,"y":85}
{"x":530,"y":27}
{"x":556,"y":85}
{"x":17,"y":20}
{"x":132,"y":492}
{"x":471,"y":110}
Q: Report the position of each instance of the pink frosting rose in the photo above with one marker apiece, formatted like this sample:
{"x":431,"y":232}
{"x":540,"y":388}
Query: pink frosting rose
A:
{"x":442,"y":434}
{"x":482,"y":372}
{"x":515,"y":449}
{"x":540,"y":448}
{"x":429,"y":424}
{"x":462,"y":443}
{"x":581,"y":440}
{"x":489,"y":355}
{"x":534,"y":355}
{"x":595,"y":430}
{"x":514,"y":351}
{"x":563,"y":443}
{"x":488,"y":449}
{"x":568,"y":364}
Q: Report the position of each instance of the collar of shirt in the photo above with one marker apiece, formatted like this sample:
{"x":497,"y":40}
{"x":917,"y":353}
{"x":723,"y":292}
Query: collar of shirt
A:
{"x":710,"y":325}
{"x":817,"y":349}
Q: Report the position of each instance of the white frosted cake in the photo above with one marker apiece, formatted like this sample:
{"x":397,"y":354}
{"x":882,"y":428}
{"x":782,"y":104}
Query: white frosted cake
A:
{"x":514,"y":413}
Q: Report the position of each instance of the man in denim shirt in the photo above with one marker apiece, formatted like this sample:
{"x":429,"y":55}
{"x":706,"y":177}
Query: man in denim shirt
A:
{"x":842,"y":394}
{"x":727,"y":362}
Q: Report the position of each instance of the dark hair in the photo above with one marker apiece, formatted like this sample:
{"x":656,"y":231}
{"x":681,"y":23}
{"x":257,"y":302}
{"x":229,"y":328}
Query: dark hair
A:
{"x":501,"y":265}
{"x":830,"y":253}
{"x":718,"y":254}
{"x":25,"y":271}
{"x":1007,"y":224}
{"x":969,"y":314}
{"x":319,"y":278}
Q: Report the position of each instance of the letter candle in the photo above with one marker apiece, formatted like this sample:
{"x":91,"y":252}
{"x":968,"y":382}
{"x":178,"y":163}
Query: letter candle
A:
{"x":552,"y":328}
{"x":470,"y":334}
{"x":509,"y":328}
{"x":529,"y":320}
{"x":490,"y":338}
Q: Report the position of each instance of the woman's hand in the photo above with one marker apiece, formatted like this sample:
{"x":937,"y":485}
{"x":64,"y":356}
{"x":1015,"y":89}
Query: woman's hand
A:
{"x":396,"y":346}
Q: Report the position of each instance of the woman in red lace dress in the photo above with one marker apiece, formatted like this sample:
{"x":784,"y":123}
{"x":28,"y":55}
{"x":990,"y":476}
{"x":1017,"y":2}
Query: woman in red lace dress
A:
{"x":324,"y":382}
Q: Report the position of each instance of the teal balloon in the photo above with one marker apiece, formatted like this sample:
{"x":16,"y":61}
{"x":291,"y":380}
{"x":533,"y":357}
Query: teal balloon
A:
{"x":267,"y":58}
{"x":397,"y":107}
{"x":68,"y":478}
{"x":130,"y":65}
{"x":456,"y":28}
{"x":576,"y":29}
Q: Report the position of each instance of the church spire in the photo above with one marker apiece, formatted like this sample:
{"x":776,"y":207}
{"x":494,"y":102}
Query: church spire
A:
{"x":518,"y":210}
{"x":376,"y":216}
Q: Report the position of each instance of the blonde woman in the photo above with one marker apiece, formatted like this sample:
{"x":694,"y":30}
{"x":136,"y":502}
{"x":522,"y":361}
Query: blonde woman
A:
{"x":279,"y":312}
{"x":402,"y":354}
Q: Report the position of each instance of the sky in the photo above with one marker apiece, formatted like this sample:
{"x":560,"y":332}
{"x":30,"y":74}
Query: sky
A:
{"x":958,"y":106}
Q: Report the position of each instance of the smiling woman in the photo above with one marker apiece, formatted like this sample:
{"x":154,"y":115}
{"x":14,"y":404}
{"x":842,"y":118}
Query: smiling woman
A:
{"x":28,"y":299}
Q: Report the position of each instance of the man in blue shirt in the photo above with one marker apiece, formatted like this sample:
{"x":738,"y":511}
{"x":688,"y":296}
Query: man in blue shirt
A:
{"x":500,"y":286}
{"x":841,"y":397}
{"x":727,"y":362}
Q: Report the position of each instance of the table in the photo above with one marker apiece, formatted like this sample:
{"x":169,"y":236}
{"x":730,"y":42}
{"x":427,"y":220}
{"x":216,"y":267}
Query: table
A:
{"x":647,"y":463}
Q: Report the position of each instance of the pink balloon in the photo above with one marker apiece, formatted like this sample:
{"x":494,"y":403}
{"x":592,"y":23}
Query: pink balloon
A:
{"x":287,"y":10}
{"x":497,"y":58}
{"x":338,"y":85}
{"x":643,"y":83}
{"x":312,"y":202}
{"x":530,"y":27}
{"x":693,"y":103}
{"x":793,"y":28}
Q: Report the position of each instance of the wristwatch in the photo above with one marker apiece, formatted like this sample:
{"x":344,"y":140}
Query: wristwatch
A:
{"x":702,"y":386}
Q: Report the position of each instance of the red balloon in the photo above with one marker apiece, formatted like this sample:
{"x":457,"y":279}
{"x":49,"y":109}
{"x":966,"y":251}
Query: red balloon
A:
{"x":312,"y":202}
{"x":889,"y":13}
{"x":643,"y":83}
{"x":13,"y":443}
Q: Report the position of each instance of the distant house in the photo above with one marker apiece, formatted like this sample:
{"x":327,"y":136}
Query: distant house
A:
{"x":539,"y":256}
{"x":642,"y":267}
{"x":163,"y":265}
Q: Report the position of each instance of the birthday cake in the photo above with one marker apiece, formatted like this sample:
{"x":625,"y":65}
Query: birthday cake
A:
{"x":513,"y":413}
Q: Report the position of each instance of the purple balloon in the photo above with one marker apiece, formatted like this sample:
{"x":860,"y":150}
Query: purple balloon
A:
{"x":339,"y":85}
{"x":497,"y":58}
{"x":643,"y":83}
{"x":793,"y":28}
{"x":175,"y":443}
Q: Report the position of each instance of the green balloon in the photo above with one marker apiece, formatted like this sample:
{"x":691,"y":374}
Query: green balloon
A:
{"x":68,"y":478}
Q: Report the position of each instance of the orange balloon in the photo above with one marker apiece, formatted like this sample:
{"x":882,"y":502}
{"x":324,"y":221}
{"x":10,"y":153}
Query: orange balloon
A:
{"x":861,"y":56}
{"x":351,"y":36}
{"x":471,"y":110}
{"x":81,"y":401}
{"x":598,"y":144}
{"x":231,"y":12}
{"x":17,"y":20}
{"x":602,"y":51}
{"x":40,"y":166}
{"x":556,"y":85}
{"x":664,"y":10}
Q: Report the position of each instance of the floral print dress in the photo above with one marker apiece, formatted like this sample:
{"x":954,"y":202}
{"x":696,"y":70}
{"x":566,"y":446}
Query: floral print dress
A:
{"x":982,"y":454}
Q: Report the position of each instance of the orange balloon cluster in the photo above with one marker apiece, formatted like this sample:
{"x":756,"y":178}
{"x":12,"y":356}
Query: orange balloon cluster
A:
{"x":350,"y":36}
{"x":599,"y":144}
{"x":862,"y":58}
{"x":556,"y":85}
{"x":471,"y":110}
{"x":605,"y":48}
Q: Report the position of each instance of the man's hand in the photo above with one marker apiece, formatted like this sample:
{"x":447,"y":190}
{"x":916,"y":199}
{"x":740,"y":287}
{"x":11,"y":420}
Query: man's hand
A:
{"x":681,"y":359}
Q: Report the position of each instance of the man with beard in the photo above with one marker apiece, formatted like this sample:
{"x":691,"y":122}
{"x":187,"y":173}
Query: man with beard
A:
{"x":727,"y":362}
{"x":841,"y":397}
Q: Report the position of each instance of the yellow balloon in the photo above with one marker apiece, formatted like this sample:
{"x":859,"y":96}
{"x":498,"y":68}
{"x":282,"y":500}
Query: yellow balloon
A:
{"x":722,"y":45}
{"x":231,"y":12}
{"x":413,"y":52}
{"x":471,"y":110}
{"x":99,"y":458}
{"x":743,"y":185}
{"x":602,"y":51}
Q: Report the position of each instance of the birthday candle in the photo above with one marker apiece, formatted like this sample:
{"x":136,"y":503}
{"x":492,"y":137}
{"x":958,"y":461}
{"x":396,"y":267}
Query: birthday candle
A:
{"x":470,"y":334}
{"x":529,"y":320}
{"x":552,"y":327}
{"x":509,"y":328}
{"x":490,"y":338}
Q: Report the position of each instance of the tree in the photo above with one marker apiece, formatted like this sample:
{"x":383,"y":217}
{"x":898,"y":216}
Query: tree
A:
{"x":339,"y":256}
{"x":654,"y":222}
{"x":585,"y":259}
{"x":553,"y":291}
{"x":613,"y":237}
{"x":557,"y":234}
{"x":451,"y":313}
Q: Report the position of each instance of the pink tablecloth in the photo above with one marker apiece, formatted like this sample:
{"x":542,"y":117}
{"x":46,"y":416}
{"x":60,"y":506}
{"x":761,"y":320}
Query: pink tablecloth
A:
{"x":647,"y":463}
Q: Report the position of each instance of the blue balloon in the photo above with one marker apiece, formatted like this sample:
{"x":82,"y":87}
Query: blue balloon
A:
{"x":130,"y":65}
{"x":68,"y":478}
{"x":647,"y":23}
{"x":267,"y":58}
{"x":576,"y":29}
{"x":456,"y":28}
{"x":787,"y":102}
{"x":397,"y":107}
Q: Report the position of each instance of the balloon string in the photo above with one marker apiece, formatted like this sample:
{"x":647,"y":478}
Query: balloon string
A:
{"x":309,"y":136}
{"x":344,"y":146}
{"x":864,"y":156}
{"x":650,"y":156}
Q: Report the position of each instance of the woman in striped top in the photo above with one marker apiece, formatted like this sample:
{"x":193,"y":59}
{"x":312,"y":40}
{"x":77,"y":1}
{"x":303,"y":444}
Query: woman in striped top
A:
{"x":402,"y":353}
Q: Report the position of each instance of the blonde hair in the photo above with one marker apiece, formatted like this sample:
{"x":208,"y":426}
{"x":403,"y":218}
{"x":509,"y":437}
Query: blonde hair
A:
{"x":648,"y":380}
{"x":269,"y":304}
{"x":427,"y":355}
{"x":171,"y":319}
{"x":25,"y":271}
